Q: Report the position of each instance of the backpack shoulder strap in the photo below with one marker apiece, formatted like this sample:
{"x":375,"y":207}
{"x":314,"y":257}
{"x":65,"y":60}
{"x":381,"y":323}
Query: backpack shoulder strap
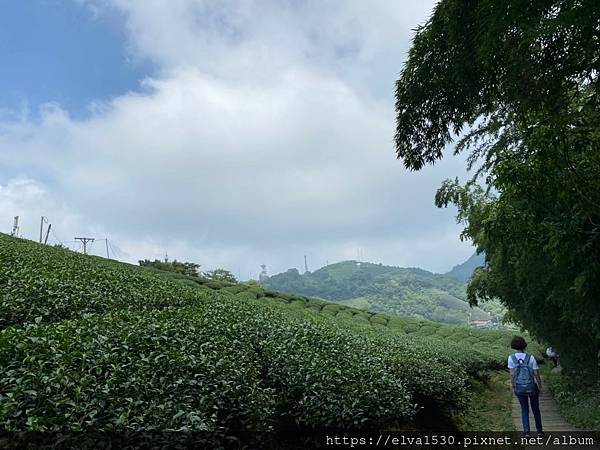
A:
{"x":527,"y":358}
{"x":514,"y":358}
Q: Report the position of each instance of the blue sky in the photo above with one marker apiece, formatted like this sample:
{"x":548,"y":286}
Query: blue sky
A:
{"x":59,"y":51}
{"x":229,"y":133}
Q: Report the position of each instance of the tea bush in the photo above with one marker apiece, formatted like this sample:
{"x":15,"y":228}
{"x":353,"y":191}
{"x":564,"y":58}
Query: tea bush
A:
{"x":185,"y":370}
{"x":89,"y":343}
{"x":378,"y":319}
{"x":224,"y":366}
{"x":41,"y":283}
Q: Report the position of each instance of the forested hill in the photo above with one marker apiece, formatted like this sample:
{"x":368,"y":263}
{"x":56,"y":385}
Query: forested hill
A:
{"x":393,"y":290}
{"x":462,"y":272}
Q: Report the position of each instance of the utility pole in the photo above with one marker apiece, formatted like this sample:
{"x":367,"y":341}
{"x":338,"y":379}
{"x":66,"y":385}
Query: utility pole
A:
{"x":47,"y":233}
{"x":15,"y":230}
{"x":42,"y":220}
{"x":85,"y":241}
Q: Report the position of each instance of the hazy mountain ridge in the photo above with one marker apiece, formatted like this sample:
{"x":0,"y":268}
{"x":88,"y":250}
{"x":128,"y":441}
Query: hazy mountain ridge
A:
{"x":394,"y":290}
{"x":462,"y":272}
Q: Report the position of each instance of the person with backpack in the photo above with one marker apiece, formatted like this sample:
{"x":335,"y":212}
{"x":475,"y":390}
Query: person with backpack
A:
{"x":526,"y":383}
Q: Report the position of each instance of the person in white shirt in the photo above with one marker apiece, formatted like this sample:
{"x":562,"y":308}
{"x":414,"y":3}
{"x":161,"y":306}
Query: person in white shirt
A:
{"x":520,"y":358}
{"x":552,"y":355}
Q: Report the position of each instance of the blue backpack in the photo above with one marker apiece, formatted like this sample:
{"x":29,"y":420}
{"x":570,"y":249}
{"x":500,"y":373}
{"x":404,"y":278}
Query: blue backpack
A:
{"x":524,"y":382}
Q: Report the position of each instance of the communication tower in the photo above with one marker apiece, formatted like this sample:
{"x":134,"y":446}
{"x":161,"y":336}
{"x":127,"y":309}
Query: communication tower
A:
{"x":15,"y":230}
{"x":263,"y":273}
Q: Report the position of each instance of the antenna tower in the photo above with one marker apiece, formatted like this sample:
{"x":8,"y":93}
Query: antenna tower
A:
{"x":15,"y":230}
{"x":263,"y":274}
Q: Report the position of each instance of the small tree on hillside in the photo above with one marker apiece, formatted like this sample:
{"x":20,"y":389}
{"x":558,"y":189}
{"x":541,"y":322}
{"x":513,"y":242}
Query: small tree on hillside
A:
{"x":184,"y":268}
{"x":220,"y":275}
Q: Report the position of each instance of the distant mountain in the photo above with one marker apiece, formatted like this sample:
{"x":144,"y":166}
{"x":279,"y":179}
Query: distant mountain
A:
{"x":393,"y":290}
{"x":462,"y":272}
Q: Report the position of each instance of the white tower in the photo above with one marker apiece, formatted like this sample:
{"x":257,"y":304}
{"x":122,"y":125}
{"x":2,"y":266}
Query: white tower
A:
{"x":263,"y":273}
{"x":15,"y":230}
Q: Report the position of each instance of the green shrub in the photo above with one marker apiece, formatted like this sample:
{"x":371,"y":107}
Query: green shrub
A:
{"x":411,"y":328}
{"x":42,"y":283}
{"x":106,"y":345}
{"x":216,"y":285}
{"x":378,"y":319}
{"x":188,"y":370}
{"x":427,"y":330}
{"x":396,"y":323}
{"x":236,"y":288}
{"x":444,"y":332}
{"x":331,"y":309}
{"x":344,"y":315}
{"x":328,"y":377}
{"x":315,"y":302}
{"x":577,"y":398}
{"x":223,"y":366}
{"x":246,"y":295}
{"x":361,"y":317}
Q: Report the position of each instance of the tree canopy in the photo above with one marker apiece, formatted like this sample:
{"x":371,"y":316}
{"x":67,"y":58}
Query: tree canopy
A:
{"x":220,"y":275}
{"x":184,"y":268}
{"x":516,"y":83}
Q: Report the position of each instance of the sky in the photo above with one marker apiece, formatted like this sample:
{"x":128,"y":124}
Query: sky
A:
{"x":231,"y":134}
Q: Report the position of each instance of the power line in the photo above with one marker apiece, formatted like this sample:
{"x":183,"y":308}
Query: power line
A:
{"x":85,"y":243}
{"x":112,"y":249}
{"x":115,"y":249}
{"x":106,"y":245}
{"x":56,"y":237}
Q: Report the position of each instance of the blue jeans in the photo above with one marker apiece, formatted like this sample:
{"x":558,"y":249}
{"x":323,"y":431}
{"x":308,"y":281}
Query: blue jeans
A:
{"x":524,"y":400}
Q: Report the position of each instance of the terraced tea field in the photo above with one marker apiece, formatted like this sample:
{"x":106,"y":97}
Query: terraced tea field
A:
{"x":93,"y":344}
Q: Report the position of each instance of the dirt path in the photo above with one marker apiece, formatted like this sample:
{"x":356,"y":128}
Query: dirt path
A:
{"x":551,"y":418}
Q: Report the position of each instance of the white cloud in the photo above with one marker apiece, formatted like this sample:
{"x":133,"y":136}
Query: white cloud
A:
{"x":263,"y":34}
{"x":30,"y":200}
{"x":260,"y":141}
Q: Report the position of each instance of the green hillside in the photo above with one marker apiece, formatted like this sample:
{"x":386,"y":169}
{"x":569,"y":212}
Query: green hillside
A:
{"x":462,"y":272}
{"x":90,"y":344}
{"x":391,"y":290}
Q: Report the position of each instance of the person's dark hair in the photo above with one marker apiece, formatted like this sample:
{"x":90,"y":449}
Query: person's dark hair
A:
{"x":518,"y":343}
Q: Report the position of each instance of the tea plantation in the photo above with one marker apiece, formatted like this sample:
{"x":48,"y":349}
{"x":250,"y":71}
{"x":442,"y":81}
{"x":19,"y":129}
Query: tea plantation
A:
{"x":93,"y":344}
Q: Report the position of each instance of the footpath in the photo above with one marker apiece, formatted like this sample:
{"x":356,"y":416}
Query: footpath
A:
{"x":552,"y":421}
{"x":551,"y":418}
